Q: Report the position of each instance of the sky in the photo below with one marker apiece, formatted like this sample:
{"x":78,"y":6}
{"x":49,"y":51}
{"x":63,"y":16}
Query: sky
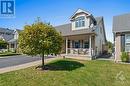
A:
{"x":58,"y":12}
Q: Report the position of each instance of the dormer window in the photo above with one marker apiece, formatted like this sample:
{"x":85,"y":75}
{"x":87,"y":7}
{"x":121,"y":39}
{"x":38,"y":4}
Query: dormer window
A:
{"x":80,"y":21}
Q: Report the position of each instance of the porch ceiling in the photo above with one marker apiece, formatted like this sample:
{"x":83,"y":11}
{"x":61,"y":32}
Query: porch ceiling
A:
{"x":79,"y":37}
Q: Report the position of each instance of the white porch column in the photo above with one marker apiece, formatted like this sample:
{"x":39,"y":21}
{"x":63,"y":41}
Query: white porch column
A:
{"x":90,"y":46}
{"x":66,"y":39}
{"x":71,"y":44}
{"x":15,"y":45}
{"x":71,"y":47}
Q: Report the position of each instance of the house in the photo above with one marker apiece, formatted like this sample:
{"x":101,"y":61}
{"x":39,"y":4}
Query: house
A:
{"x":5,"y":34}
{"x":10,"y":36}
{"x":84,"y":35}
{"x":121,"y":31}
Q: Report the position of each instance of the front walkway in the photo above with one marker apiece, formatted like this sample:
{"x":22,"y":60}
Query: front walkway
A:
{"x":106,"y":57}
{"x":74,"y":56}
{"x":26,"y":65}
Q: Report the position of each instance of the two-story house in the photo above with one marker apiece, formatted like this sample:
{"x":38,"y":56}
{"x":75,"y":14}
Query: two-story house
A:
{"x":84,"y":35}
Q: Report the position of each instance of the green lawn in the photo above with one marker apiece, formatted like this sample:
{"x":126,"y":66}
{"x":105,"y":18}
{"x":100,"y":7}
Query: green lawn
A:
{"x":70,"y":72}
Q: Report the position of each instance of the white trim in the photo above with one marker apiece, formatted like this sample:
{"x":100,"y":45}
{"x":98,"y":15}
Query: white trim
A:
{"x":90,"y":46}
{"x":66,"y":46}
{"x":126,"y":43}
{"x":79,"y":11}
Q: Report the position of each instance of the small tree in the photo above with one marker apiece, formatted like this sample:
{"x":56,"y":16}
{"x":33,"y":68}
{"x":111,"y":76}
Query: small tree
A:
{"x":110,"y":46}
{"x":3,"y":44}
{"x":40,"y":39}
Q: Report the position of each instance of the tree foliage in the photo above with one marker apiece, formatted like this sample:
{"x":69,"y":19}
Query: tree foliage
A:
{"x":110,"y":45}
{"x":40,"y":39}
{"x":3,"y":44}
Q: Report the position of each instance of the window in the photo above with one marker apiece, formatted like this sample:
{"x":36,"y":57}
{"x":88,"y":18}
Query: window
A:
{"x":100,"y":30}
{"x":77,"y":44}
{"x":80,"y":21}
{"x":86,"y":44}
{"x":68,"y":43}
{"x":127,"y":42}
{"x":122,"y":42}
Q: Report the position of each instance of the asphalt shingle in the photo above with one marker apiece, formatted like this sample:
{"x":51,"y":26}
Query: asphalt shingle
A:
{"x":121,"y":23}
{"x":66,"y":29}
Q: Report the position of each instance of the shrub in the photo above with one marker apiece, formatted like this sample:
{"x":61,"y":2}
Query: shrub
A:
{"x":125,"y":57}
{"x":3,"y":44}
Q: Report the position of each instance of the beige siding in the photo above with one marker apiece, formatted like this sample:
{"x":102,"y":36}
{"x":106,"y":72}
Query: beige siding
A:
{"x":87,"y":22}
{"x":117,"y":47}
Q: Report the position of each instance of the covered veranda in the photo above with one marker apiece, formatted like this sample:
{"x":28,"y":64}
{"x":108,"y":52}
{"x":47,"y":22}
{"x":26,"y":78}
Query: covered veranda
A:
{"x":83,"y":45}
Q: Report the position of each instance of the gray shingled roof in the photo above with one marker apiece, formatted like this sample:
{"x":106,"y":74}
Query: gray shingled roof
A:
{"x":7,"y":37}
{"x":98,"y":19}
{"x":6,"y":30}
{"x":66,"y":29}
{"x":121,"y":23}
{"x":8,"y":34}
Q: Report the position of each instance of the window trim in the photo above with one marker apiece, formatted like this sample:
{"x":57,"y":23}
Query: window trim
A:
{"x":127,"y":44}
{"x":86,"y":43}
{"x":77,"y":44}
{"x":80,"y":22}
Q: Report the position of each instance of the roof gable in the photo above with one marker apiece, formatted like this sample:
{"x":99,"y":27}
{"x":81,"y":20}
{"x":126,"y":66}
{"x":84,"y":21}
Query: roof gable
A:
{"x":79,"y":11}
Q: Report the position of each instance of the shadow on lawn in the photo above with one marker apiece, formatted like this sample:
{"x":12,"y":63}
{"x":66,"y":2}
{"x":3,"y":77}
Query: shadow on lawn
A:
{"x":63,"y":65}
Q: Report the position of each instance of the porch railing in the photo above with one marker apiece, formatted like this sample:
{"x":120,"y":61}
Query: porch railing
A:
{"x":82,"y":51}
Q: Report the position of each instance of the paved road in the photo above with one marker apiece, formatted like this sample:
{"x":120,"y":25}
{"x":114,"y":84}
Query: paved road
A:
{"x":16,"y":60}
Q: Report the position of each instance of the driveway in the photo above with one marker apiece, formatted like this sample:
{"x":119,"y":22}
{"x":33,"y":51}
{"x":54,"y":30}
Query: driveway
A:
{"x":16,"y":60}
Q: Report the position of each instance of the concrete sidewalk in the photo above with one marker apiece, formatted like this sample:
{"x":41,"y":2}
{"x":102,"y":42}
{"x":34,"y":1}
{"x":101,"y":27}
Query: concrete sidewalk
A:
{"x":26,"y":65}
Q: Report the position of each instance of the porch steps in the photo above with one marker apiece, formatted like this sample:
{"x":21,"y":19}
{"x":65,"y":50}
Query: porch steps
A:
{"x":79,"y":57}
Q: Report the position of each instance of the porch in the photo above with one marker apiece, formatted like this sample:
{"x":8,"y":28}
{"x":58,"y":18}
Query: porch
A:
{"x":12,"y":45}
{"x":80,"y":45}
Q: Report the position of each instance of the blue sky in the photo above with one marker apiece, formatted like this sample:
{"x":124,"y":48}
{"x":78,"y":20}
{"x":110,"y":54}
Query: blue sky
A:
{"x":58,"y":12}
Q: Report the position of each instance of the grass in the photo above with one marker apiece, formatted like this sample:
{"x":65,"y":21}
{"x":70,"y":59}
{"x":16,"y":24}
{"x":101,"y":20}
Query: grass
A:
{"x":70,"y":72}
{"x":8,"y":54}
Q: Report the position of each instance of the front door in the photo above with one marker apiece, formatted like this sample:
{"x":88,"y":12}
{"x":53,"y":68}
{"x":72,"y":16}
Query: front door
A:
{"x":77,"y":44}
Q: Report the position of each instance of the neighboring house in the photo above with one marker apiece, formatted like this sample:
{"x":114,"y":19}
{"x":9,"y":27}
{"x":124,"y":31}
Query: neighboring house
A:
{"x":6,"y":34}
{"x":84,"y":36}
{"x":11,"y":36}
{"x":13,"y":43}
{"x":121,"y":31}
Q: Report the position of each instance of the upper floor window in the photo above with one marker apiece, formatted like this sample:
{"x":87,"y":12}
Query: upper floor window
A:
{"x":80,"y":21}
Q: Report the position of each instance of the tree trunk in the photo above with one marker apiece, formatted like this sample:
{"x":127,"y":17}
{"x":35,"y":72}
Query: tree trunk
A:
{"x":42,"y":61}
